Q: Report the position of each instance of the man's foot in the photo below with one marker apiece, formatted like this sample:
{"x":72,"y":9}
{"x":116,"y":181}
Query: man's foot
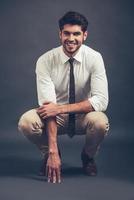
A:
{"x":42,"y":171}
{"x":89,"y":165}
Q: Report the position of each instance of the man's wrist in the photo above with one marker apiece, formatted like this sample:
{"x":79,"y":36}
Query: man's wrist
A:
{"x":63,"y":109}
{"x":53,"y":151}
{"x":53,"y":148}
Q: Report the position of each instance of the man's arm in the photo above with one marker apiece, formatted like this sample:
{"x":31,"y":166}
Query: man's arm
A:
{"x":49,"y":109}
{"x":81,"y":107}
{"x":45,"y":85}
{"x":99,"y":85}
{"x":53,"y":167}
{"x":46,"y":91}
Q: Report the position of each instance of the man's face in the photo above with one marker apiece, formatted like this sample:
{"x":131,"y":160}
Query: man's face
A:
{"x":72,"y":38}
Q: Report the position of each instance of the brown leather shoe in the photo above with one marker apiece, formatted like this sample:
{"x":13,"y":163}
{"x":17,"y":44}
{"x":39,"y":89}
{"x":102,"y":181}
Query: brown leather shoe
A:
{"x":89,"y":165}
{"x":42,"y":171}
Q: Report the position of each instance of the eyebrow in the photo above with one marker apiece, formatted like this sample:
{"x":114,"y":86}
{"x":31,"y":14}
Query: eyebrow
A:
{"x":74,"y":33}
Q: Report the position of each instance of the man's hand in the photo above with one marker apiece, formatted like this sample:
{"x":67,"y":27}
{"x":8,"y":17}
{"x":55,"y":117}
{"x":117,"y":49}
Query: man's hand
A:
{"x":48,"y":109}
{"x":53,"y":168}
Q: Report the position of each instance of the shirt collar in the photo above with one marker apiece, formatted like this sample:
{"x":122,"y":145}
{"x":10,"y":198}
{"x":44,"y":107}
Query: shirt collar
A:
{"x":65,"y":58}
{"x":78,"y":55}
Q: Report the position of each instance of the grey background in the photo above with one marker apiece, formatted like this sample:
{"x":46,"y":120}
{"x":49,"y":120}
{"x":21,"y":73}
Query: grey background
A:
{"x":30,"y":28}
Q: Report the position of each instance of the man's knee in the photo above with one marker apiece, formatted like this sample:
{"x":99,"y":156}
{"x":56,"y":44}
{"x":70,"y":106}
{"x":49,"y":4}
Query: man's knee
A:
{"x":101,"y":126}
{"x":30,"y":123}
{"x":25,"y":126}
{"x":97,"y":122}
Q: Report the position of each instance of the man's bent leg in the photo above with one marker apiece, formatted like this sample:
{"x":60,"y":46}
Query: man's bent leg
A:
{"x":97,"y":126}
{"x":31,"y":125}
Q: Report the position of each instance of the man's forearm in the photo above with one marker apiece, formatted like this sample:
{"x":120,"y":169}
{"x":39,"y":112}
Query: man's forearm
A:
{"x":52,"y":134}
{"x":81,"y":107}
{"x":49,"y":110}
{"x":53,"y":166}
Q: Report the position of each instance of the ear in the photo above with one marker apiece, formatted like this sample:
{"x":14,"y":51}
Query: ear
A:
{"x":85,"y":35}
{"x":60,"y":34}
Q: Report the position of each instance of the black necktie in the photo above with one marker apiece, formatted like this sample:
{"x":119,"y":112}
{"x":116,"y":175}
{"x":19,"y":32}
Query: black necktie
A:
{"x":71,"y":120}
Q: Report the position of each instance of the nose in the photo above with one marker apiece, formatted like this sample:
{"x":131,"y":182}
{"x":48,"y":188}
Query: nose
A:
{"x":71,"y":37}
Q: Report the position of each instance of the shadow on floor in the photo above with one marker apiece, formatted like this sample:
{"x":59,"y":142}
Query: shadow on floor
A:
{"x":21,"y":159}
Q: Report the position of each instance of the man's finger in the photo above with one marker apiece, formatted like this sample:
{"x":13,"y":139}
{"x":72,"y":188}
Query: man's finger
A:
{"x":40,"y":108}
{"x":49,"y":175}
{"x":58,"y":175}
{"x":54,"y":176}
{"x":43,"y":114}
{"x":46,"y":102}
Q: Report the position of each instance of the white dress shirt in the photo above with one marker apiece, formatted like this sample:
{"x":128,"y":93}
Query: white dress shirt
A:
{"x":52,"y":72}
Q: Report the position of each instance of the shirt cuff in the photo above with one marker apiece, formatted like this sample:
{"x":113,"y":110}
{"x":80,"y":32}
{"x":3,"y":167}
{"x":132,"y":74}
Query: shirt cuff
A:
{"x":97,"y":104}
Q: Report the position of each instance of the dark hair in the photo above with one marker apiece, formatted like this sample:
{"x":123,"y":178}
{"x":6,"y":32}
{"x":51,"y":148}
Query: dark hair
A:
{"x":73,"y":18}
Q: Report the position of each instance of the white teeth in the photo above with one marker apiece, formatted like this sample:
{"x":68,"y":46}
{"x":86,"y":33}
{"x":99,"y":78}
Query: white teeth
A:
{"x":71,"y":44}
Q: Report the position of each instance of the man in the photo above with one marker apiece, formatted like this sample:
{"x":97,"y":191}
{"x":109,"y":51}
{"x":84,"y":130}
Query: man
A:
{"x":72,"y":93}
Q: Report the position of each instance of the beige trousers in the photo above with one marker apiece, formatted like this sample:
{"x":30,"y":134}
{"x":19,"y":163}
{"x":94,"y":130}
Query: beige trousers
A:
{"x":94,"y":125}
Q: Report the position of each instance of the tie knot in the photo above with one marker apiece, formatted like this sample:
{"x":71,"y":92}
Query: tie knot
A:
{"x":71,"y":60}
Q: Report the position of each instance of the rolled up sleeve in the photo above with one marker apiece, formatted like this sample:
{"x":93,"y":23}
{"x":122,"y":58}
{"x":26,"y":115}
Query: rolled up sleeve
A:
{"x":99,"y":85}
{"x":45,"y":86}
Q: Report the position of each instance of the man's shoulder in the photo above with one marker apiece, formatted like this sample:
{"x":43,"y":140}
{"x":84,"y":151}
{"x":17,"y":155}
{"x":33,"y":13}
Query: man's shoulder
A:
{"x":50,"y":53}
{"x":90,"y":54}
{"x":88,"y":50}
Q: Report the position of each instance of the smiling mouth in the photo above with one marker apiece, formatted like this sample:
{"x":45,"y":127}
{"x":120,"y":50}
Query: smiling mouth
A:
{"x":69,"y":44}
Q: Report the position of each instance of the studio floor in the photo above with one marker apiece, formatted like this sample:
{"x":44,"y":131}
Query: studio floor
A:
{"x":20,"y":162}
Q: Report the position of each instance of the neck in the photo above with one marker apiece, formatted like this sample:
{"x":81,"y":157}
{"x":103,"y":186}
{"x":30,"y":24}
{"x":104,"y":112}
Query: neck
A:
{"x":69,"y":54}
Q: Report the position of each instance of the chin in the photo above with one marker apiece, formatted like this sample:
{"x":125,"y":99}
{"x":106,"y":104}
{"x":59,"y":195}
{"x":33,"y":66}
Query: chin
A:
{"x":71,"y":51}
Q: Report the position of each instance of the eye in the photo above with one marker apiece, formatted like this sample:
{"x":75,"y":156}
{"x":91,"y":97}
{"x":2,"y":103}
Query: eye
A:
{"x":66,"y":33}
{"x":77,"y":33}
